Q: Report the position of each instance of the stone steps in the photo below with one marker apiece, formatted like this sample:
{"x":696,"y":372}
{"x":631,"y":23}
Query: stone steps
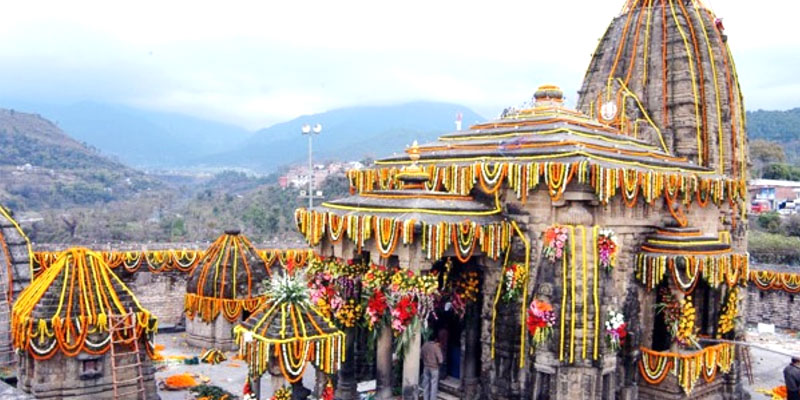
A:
{"x":446,"y":396}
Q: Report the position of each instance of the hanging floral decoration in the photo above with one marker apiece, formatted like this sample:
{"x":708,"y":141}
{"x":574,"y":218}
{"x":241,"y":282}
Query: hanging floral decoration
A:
{"x":772,"y":280}
{"x":467,"y":236}
{"x":85,"y":293}
{"x":289,"y":331}
{"x":327,"y":392}
{"x":686,"y":270}
{"x":655,"y":367}
{"x":335,"y":288}
{"x":541,"y":320}
{"x":730,"y":311}
{"x":375,"y":284}
{"x":515,"y":276}
{"x":632,"y":183}
{"x":284,"y":393}
{"x":349,"y":314}
{"x":679,"y":316}
{"x":607,"y":249}
{"x":616,"y":330}
{"x":400,"y":298}
{"x":461,"y":291}
{"x":247,"y":390}
{"x":555,"y":241}
{"x":167,"y":260}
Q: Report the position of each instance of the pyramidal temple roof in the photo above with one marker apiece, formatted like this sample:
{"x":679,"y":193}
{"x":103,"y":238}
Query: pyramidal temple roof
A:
{"x":548,"y":131}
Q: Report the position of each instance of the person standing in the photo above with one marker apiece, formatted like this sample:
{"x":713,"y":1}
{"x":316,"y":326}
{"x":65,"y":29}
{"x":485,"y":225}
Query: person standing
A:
{"x":791,"y":374}
{"x":432,"y":359}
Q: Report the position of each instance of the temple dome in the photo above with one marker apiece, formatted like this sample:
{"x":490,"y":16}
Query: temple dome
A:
{"x":67,"y":307}
{"x":228,"y":279}
{"x":669,"y":62}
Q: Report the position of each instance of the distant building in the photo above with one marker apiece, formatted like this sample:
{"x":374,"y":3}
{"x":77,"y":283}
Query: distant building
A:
{"x":772,"y":193}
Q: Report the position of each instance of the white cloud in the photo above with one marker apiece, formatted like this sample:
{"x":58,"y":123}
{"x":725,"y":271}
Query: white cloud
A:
{"x":259,"y":62}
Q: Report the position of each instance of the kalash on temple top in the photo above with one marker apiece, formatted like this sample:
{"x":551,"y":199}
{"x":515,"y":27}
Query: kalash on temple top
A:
{"x":552,"y":145}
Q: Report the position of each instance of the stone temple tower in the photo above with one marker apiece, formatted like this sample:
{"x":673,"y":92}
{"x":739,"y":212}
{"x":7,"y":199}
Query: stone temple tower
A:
{"x":668,"y":61}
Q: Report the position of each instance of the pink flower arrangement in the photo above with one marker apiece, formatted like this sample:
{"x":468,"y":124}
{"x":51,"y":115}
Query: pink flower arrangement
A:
{"x":541,"y":320}
{"x":555,"y":241}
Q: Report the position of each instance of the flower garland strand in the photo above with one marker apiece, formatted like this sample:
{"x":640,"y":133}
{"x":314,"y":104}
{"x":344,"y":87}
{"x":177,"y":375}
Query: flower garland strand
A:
{"x":465,"y":236}
{"x":632,"y":182}
{"x":772,"y":280}
{"x":654,"y":367}
{"x":685,"y":270}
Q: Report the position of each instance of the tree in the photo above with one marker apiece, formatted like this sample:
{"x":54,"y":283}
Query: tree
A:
{"x":781,"y":171}
{"x":771,"y":221}
{"x":764,"y":152}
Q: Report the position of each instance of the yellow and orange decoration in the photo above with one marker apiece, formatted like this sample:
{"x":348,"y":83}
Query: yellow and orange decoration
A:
{"x":67,"y":308}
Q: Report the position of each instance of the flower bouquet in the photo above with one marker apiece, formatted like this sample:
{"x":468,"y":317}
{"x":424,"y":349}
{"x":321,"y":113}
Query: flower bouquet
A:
{"x":616,"y":330}
{"x":607,"y":249}
{"x":555,"y":241}
{"x":514,"y":277}
{"x":541,"y":320}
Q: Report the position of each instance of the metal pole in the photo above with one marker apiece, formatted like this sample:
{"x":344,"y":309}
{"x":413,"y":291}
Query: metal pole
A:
{"x":310,"y":175}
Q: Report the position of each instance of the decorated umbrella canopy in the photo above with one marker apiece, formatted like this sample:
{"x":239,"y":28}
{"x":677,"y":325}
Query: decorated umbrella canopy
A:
{"x":226,"y":280}
{"x":67,"y":308}
{"x":288,"y":331}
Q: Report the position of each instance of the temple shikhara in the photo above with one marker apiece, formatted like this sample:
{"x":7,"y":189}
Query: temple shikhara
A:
{"x":555,"y":253}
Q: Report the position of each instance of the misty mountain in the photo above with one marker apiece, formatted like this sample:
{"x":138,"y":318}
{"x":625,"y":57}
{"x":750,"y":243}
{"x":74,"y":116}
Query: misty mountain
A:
{"x":139,"y":137}
{"x":351,"y":133}
{"x":40,"y":167}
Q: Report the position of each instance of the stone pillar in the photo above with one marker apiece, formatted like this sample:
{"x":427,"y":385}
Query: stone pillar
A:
{"x":383,"y":358}
{"x":411,"y":366}
{"x":472,"y":353}
{"x":347,"y":387}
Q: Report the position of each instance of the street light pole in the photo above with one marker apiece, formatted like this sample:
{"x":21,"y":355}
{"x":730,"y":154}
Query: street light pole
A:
{"x":307,"y":129}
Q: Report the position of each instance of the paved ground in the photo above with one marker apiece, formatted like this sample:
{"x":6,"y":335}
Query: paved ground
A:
{"x":230,"y":374}
{"x":768,"y":366}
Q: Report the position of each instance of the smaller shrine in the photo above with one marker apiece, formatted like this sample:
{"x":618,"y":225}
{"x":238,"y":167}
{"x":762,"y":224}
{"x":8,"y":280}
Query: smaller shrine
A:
{"x":286,"y":334}
{"x":63,"y":330}
{"x":224,"y":288}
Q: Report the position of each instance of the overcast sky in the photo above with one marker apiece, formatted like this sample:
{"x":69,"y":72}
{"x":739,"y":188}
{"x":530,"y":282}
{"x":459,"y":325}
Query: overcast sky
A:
{"x":255,"y":63}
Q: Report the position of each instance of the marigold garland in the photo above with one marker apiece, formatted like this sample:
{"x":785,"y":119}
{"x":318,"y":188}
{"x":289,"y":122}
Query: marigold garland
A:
{"x":465,"y":236}
{"x":772,"y":280}
{"x":570,"y":262}
{"x":730,"y":311}
{"x":283,"y":393}
{"x":289,"y":331}
{"x":688,"y":368}
{"x":87,"y":291}
{"x":226,"y":280}
{"x":686,"y":270}
{"x":180,"y":260}
{"x":522,"y":177}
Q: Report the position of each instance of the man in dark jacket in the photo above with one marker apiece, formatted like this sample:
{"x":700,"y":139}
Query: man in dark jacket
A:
{"x":791,"y":374}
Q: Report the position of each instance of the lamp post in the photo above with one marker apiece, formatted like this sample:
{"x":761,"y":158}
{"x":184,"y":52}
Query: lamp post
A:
{"x":309,"y":130}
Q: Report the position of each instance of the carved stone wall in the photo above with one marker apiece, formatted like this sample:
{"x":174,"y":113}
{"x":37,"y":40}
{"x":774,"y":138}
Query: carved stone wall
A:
{"x":60,"y":377}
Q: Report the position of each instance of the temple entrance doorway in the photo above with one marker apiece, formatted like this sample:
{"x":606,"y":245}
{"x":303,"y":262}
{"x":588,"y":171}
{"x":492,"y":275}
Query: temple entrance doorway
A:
{"x":457,"y":322}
